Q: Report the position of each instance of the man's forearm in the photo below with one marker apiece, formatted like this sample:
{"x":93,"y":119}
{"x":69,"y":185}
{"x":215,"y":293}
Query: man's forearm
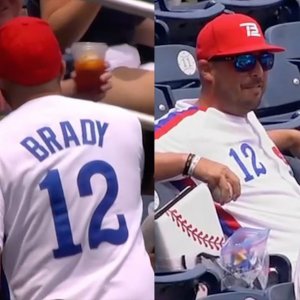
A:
{"x":69,"y":19}
{"x":286,"y":140}
{"x":169,"y":165}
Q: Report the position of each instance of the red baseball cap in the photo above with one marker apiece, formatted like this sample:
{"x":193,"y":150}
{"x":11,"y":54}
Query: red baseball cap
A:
{"x":230,"y":34}
{"x":29,"y":52}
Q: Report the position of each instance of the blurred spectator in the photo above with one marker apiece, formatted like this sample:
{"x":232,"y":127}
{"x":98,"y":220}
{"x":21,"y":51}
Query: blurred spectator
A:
{"x":74,"y":20}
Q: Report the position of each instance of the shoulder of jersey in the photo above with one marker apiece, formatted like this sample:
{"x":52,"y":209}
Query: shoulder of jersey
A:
{"x":172,"y":119}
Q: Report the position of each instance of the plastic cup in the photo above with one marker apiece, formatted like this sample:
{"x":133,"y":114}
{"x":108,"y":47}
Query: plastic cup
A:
{"x":89,"y":65}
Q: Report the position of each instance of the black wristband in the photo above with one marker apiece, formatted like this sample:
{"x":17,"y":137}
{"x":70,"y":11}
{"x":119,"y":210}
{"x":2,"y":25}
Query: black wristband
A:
{"x":188,"y":164}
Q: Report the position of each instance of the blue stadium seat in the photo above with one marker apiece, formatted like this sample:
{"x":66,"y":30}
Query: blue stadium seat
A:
{"x":163,"y":101}
{"x":242,"y":295}
{"x":165,"y":193}
{"x":184,"y":24}
{"x":295,"y":165}
{"x":176,"y":66}
{"x":282,"y":96}
{"x":166,"y":5}
{"x":183,"y":285}
{"x":264,"y":11}
{"x":286,"y":35}
{"x":187,"y":93}
{"x":283,"y":291}
{"x":283,"y":268}
{"x":161,"y":32}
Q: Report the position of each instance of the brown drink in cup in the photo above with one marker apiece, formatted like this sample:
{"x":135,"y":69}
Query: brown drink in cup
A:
{"x":89,"y":65}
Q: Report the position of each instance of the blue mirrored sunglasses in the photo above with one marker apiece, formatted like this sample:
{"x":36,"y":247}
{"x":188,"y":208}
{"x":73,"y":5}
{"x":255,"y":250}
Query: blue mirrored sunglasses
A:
{"x":247,"y":62}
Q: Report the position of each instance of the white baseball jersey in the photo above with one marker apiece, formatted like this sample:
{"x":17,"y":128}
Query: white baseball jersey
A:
{"x":70,"y":205}
{"x":270,"y":196}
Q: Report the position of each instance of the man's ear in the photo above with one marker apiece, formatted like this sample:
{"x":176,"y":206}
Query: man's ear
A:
{"x":205,"y":70}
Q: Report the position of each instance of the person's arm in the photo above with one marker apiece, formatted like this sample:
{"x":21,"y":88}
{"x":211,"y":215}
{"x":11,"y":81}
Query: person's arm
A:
{"x":222,"y":182}
{"x":286,"y":140}
{"x":69,"y":19}
{"x":144,"y":33}
{"x":169,"y":165}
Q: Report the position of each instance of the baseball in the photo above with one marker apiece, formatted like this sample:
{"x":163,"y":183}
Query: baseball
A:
{"x":217,"y":193}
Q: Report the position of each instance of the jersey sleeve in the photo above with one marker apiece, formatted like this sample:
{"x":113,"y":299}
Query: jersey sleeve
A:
{"x":172,"y":142}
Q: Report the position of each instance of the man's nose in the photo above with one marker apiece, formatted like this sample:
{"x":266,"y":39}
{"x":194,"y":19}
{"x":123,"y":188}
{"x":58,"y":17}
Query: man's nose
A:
{"x":257,"y":70}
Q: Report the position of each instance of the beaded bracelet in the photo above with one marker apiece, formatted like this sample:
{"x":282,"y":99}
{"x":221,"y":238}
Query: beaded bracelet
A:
{"x":193,"y":164}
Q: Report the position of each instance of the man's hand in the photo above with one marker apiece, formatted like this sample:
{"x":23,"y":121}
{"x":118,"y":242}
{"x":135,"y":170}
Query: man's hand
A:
{"x":223,"y":184}
{"x":104,"y":86}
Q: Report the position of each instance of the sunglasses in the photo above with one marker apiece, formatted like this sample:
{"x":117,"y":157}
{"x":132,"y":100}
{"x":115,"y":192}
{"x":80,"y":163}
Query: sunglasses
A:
{"x":247,"y":62}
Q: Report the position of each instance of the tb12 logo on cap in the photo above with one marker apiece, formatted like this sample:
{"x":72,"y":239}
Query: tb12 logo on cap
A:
{"x":252,"y":29}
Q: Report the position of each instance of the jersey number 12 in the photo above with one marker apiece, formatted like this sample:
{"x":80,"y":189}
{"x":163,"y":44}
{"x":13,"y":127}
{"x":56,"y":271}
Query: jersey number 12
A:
{"x":96,"y":235}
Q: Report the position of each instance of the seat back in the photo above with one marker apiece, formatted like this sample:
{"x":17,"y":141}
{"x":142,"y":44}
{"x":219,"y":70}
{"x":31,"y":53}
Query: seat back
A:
{"x":176,"y":66}
{"x":243,"y":295}
{"x":162,"y":101}
{"x":285,"y":35}
{"x":266,"y":12}
{"x":282,"y":95}
{"x":161,"y":32}
{"x":281,"y":291}
{"x":185,"y":23}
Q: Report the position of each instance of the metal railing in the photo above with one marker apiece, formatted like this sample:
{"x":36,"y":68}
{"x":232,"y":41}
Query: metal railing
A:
{"x":144,"y":9}
{"x":135,"y":7}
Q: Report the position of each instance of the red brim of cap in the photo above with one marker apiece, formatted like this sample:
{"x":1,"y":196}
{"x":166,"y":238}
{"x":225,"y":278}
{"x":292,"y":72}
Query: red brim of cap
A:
{"x":254,"y":48}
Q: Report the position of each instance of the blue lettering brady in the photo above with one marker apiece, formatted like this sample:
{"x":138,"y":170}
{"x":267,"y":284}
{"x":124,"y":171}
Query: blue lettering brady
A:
{"x":49,"y":141}
{"x":35,"y":148}
{"x":101,"y":130}
{"x":88,"y":132}
{"x":49,"y":138}
{"x":69,"y":134}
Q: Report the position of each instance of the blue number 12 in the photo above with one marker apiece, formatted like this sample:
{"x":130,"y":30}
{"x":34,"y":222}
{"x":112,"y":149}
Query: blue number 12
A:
{"x":96,"y":235}
{"x":248,"y":151}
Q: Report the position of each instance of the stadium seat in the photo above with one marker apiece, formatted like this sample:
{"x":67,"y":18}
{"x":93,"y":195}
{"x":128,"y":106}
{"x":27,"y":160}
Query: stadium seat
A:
{"x":184,"y":24}
{"x":165,"y":193}
{"x":283,"y":291}
{"x":183,"y":285}
{"x":282,"y":96}
{"x":264,"y":11}
{"x":295,"y":165}
{"x":242,"y":295}
{"x":286,"y":35}
{"x":187,"y":93}
{"x":167,"y":5}
{"x":176,"y":66}
{"x":282,"y":266}
{"x":162,"y":101}
{"x":161,"y":33}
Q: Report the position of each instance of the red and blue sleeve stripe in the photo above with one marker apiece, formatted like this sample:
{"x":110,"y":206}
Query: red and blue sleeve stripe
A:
{"x":173,"y":118}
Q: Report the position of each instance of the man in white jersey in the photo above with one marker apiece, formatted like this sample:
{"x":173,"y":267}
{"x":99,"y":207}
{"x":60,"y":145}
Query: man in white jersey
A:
{"x":70,"y":173}
{"x":10,"y":9}
{"x":233,"y":59}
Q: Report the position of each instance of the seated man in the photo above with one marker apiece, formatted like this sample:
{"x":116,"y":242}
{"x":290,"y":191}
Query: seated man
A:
{"x":234,"y":60}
